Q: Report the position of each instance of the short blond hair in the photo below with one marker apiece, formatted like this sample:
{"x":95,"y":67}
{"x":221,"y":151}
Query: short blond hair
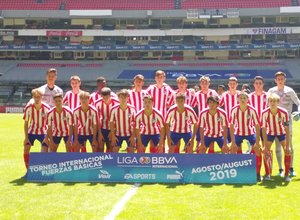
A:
{"x":160,"y":73}
{"x":181,"y":79}
{"x":84,"y":95}
{"x":36,"y":91}
{"x":273,"y":96}
{"x":75,"y":77}
{"x":204,"y":78}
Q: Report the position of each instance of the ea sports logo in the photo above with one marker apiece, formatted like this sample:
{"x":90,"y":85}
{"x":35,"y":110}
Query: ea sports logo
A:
{"x":144,"y":160}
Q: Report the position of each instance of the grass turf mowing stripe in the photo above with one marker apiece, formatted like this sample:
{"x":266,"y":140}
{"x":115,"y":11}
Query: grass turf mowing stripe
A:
{"x":118,"y":207}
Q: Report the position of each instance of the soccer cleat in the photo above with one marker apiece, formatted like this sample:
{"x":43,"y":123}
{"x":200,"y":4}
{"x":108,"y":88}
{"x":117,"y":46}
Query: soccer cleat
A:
{"x":292,"y":172}
{"x":258,"y":177}
{"x":281,"y":174}
{"x":267,"y":178}
{"x":287,"y":179}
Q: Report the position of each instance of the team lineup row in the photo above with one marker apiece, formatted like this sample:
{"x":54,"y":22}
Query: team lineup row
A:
{"x":158,"y":113}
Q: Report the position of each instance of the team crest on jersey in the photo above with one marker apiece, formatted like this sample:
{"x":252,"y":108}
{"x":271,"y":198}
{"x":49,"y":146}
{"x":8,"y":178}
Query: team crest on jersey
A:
{"x":279,"y":119}
{"x":219,"y":119}
{"x":43,"y":114}
{"x":64,"y":118}
{"x":129,"y":115}
{"x":90,"y":117}
{"x":248,"y":116}
{"x":186,"y":118}
{"x":153,"y":120}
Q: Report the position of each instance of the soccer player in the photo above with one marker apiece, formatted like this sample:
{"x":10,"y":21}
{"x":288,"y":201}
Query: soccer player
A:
{"x":60,"y":124}
{"x":35,"y":126}
{"x":122,"y":123}
{"x":71,"y":98}
{"x":189,"y":95}
{"x":275,"y":124}
{"x":85,"y":124}
{"x":104,"y":106}
{"x":229,"y":99}
{"x":137,"y":93}
{"x":179,"y":119}
{"x":162,"y":96}
{"x":245,"y":125}
{"x":101,"y":83}
{"x":200,"y":100}
{"x":50,"y":89}
{"x":149,"y":125}
{"x":288,"y":97}
{"x":221,"y":90}
{"x":258,"y":98}
{"x":213,"y":126}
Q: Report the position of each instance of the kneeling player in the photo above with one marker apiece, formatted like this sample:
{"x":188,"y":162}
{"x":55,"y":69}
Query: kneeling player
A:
{"x":122,"y":124}
{"x":35,"y":118}
{"x":149,"y":125}
{"x":85,"y":123}
{"x":213,"y":125}
{"x":275,"y":125}
{"x":60,"y":124}
{"x":244,"y":124}
{"x":180,"y":117}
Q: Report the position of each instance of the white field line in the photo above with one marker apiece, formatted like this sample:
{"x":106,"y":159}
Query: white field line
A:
{"x":118,"y":207}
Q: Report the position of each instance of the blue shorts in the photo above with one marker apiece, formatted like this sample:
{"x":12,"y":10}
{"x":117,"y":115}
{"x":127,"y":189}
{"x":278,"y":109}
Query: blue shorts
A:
{"x":120,"y":140}
{"x":239,"y":139}
{"x":175,"y":137}
{"x":209,"y":140}
{"x":146,"y":138}
{"x":83,"y":138}
{"x":279,"y":137}
{"x":39,"y":137}
{"x":57,"y":140}
{"x":105,"y":133}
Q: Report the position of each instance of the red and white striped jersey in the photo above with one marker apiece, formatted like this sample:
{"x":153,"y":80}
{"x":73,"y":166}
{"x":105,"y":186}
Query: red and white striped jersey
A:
{"x":95,"y":96}
{"x":104,"y":111}
{"x":259,"y":102}
{"x":200,"y":99}
{"x":275,"y":123}
{"x":181,"y":122}
{"x":149,"y":124}
{"x":60,"y":122}
{"x":85,"y":120}
{"x":229,"y":101}
{"x":213,"y":124}
{"x":37,"y":119}
{"x":189,"y":97}
{"x":123,"y":119}
{"x":71,"y":100}
{"x":244,"y":122}
{"x":162,"y":97}
{"x":136,"y":98}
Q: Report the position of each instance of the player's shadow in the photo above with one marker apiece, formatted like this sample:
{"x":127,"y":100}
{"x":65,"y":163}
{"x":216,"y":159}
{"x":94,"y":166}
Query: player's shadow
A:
{"x":19,"y":182}
{"x":275,"y":182}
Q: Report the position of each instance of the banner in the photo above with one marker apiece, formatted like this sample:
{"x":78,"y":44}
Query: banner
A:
{"x":143,"y":168}
{"x":11,"y":109}
{"x":269,"y":30}
{"x":213,"y":74}
{"x":200,"y":47}
{"x":63,"y":33}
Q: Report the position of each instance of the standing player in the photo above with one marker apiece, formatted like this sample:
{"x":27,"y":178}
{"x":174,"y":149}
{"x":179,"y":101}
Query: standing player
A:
{"x":101,"y":83}
{"x":258,"y":98}
{"x":275,"y":124}
{"x":200,"y":100}
{"x":288,"y":97}
{"x":221,"y":90}
{"x":71,"y":98}
{"x":104,"y":106}
{"x":180,"y":117}
{"x":85,"y":124}
{"x":162,"y":96}
{"x":213,"y":126}
{"x":35,"y":124}
{"x":137,"y":93}
{"x":122,"y":123}
{"x":245,"y":125}
{"x":60,"y":124}
{"x":50,"y":89}
{"x":149,"y":125}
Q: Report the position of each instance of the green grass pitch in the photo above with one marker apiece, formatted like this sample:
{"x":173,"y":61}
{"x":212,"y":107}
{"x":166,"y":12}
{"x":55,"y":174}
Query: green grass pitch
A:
{"x":23,"y":200}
